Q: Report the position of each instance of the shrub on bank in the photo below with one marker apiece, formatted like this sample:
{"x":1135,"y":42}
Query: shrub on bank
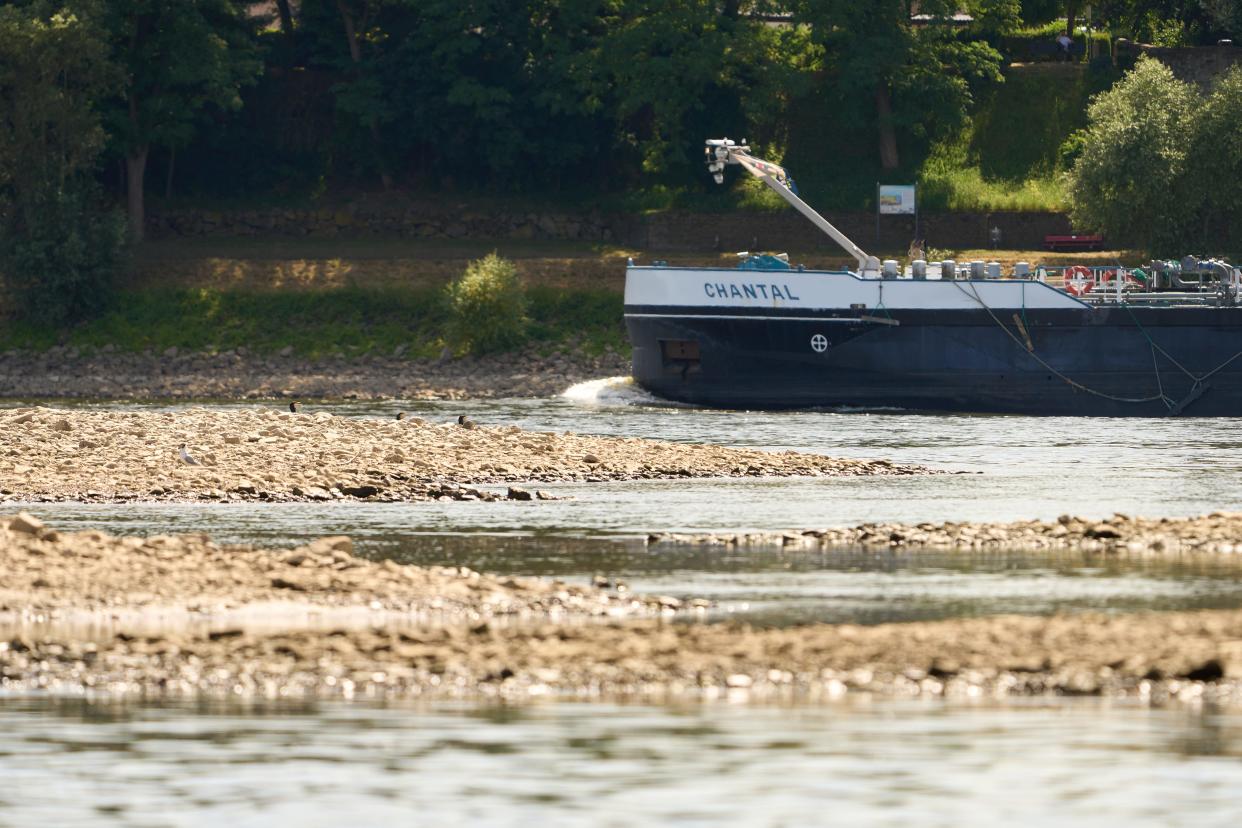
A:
{"x":59,"y":255}
{"x":487,"y":307}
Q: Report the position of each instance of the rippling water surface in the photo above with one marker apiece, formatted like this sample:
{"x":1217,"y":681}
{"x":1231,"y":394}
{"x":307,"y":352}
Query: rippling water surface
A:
{"x":66,"y":763}
{"x":597,"y":764}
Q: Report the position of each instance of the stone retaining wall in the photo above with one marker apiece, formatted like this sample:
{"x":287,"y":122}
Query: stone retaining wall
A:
{"x":1198,"y":64}
{"x":664,"y":231}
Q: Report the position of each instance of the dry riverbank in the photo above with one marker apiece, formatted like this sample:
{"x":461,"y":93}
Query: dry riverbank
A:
{"x":1217,"y":533}
{"x":70,"y":373}
{"x":272,"y":455}
{"x":89,"y":611}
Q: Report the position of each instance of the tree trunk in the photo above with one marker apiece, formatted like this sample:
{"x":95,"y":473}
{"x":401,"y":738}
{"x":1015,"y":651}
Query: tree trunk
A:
{"x":888,"y":137}
{"x":136,"y":169}
{"x":172,"y":163}
{"x":355,"y":54}
{"x":1071,"y":17}
{"x":286,"y":18}
{"x":351,"y":32}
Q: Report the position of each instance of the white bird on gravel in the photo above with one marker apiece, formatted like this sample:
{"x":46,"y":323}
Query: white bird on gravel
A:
{"x":186,"y":458}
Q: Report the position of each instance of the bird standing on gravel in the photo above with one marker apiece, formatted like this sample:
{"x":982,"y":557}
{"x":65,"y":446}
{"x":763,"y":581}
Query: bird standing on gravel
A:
{"x":464,"y":421}
{"x":187,"y":459}
{"x":400,"y":415}
{"x":294,"y":406}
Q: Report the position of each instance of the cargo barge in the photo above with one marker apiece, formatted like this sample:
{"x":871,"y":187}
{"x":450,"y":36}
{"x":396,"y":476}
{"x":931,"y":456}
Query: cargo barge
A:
{"x":1163,"y":340}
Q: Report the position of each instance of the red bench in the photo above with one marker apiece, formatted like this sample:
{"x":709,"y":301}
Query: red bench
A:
{"x":1075,"y":241}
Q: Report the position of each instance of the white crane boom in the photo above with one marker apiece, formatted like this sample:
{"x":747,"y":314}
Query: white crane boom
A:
{"x":722,"y":151}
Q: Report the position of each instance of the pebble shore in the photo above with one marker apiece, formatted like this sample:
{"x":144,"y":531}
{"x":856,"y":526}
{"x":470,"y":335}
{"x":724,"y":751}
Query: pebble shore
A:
{"x":69,"y":373}
{"x":1215,"y":533}
{"x":265,"y":454}
{"x":470,"y":635}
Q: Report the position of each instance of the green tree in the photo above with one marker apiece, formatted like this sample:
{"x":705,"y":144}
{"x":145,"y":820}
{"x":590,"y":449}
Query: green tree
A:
{"x":362,"y":95}
{"x":181,"y":59}
{"x":53,"y":70}
{"x":1172,"y":22}
{"x":59,"y":246}
{"x":1038,"y":12}
{"x":1226,"y":15}
{"x":1214,"y":164}
{"x":455,"y":91}
{"x":1128,"y":180}
{"x":899,"y":76}
{"x":673,"y":73}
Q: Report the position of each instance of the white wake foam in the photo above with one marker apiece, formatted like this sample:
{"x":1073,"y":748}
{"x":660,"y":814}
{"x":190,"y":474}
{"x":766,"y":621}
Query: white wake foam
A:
{"x":611,"y":391}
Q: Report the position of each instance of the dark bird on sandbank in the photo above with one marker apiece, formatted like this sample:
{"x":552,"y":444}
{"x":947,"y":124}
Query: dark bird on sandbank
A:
{"x":294,"y":406}
{"x":400,"y":415}
{"x":464,"y":421}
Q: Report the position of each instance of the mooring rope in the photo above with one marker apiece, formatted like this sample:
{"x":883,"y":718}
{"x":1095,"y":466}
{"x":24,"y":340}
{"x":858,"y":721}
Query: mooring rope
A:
{"x":1169,"y":357}
{"x":1069,"y":381}
{"x":1198,"y":380}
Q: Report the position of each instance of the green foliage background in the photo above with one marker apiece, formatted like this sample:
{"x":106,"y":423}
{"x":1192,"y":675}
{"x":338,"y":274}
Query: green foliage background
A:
{"x":1158,"y":163}
{"x":584,"y":103}
{"x":58,"y":244}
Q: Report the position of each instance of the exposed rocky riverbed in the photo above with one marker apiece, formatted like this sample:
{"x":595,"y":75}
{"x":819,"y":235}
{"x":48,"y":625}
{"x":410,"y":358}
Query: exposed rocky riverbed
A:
{"x":87,"y":611}
{"x":1216,"y":533}
{"x":70,"y":573}
{"x":69,"y":373}
{"x":269,"y":454}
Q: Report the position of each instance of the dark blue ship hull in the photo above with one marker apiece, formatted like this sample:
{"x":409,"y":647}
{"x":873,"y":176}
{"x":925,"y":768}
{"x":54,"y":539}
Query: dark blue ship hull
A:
{"x":1102,"y":361}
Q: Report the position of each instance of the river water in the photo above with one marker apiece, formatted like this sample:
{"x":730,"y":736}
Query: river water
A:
{"x":69,"y":762}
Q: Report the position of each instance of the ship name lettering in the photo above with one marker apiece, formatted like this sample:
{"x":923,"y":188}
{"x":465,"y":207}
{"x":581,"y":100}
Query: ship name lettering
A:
{"x":749,"y":290}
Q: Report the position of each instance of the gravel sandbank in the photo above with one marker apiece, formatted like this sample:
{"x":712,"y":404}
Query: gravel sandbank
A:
{"x":272,"y":455}
{"x":48,"y":571}
{"x":1215,"y":533}
{"x":471,"y":649}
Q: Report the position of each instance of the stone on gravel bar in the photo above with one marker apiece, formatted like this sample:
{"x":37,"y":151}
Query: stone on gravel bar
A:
{"x":26,"y":523}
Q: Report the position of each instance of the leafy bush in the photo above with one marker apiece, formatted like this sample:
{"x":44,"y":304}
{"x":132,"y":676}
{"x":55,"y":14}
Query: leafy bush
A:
{"x":487,"y":307}
{"x":59,"y":255}
{"x":1214,"y":166}
{"x":1133,"y":160}
{"x":1156,"y":164}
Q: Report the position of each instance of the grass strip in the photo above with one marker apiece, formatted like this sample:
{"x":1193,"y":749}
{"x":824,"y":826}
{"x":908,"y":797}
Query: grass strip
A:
{"x":349,"y":320}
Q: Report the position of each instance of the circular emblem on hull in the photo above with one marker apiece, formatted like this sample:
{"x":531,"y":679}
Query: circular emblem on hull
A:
{"x":819,"y":343}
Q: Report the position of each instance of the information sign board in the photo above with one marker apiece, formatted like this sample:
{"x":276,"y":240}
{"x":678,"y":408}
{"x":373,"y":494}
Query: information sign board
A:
{"x":896,"y":199}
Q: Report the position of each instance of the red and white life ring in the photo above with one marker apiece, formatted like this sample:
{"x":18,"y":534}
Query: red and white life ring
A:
{"x":1079,"y":280}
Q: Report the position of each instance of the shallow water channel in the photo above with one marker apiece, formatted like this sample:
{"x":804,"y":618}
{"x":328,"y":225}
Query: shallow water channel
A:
{"x":577,"y":763}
